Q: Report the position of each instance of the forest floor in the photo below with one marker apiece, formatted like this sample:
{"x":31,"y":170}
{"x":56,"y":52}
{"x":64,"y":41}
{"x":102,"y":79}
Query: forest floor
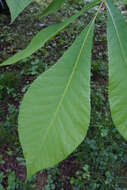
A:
{"x":100,"y":162}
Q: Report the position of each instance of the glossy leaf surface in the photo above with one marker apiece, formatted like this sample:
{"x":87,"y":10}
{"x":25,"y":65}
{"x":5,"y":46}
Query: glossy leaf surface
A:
{"x":117,"y":51}
{"x":53,"y":7}
{"x":55,"y":112}
{"x":16,"y":7}
{"x":44,"y":35}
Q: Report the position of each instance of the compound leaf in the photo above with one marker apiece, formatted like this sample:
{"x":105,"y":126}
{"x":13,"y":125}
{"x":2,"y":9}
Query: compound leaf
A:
{"x":55,"y":112}
{"x":117,"y":51}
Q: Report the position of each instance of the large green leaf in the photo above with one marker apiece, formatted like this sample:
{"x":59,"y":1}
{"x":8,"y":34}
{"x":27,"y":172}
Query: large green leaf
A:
{"x":54,"y":6}
{"x":55,"y":112}
{"x":44,"y":35}
{"x":117,"y":50}
{"x":16,"y":7}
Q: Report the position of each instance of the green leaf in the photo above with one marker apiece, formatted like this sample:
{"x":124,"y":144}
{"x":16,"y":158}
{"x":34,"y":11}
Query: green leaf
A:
{"x":117,"y":51}
{"x":44,"y":35}
{"x":53,"y":7}
{"x":55,"y":112}
{"x":16,"y":7}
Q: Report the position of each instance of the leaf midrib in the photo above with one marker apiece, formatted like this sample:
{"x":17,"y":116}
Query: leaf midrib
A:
{"x":68,"y":84}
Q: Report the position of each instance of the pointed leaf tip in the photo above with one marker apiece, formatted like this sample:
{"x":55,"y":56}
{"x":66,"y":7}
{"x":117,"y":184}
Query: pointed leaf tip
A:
{"x":16,"y":7}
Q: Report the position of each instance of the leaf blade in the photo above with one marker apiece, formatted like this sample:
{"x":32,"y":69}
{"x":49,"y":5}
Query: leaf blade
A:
{"x":117,"y":48}
{"x":45,"y":35}
{"x":65,"y":117}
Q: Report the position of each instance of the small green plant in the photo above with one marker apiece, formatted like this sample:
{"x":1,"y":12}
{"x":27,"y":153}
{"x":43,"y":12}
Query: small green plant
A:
{"x":55,"y":112}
